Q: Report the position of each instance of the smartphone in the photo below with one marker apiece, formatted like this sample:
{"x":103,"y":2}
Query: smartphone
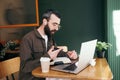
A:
{"x":55,"y":48}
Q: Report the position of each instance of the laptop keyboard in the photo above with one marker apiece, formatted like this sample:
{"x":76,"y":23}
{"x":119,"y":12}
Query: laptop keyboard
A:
{"x":71,"y":67}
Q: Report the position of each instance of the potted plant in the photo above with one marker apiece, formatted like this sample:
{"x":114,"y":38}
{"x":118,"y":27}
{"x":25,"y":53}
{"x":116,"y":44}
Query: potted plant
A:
{"x":8,"y":45}
{"x":3,"y":50}
{"x":101,"y":47}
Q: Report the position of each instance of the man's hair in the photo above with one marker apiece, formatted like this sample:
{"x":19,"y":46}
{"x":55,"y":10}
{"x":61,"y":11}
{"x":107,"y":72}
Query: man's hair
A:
{"x":48,"y":13}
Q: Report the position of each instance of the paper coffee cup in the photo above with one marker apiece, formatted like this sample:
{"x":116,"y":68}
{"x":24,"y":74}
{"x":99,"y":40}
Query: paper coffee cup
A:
{"x":45,"y":64}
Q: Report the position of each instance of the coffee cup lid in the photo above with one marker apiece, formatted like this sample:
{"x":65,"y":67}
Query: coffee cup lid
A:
{"x":44,"y":59}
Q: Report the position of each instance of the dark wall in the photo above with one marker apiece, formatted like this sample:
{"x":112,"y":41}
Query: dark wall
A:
{"x":82,"y":20}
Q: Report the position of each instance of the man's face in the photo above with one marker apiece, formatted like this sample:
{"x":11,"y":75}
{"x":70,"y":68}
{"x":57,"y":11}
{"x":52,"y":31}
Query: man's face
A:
{"x":52,"y":25}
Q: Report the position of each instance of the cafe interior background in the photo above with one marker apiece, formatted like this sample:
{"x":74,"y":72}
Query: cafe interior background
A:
{"x":82,"y":20}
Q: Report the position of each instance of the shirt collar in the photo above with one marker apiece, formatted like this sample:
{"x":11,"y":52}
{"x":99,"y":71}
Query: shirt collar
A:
{"x":37,"y":33}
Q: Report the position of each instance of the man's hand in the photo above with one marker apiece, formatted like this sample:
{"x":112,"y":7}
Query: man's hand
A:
{"x":72,"y":54}
{"x":53,"y":53}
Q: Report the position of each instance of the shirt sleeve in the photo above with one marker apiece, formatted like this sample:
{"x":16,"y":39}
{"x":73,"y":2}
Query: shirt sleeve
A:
{"x":28,"y":61}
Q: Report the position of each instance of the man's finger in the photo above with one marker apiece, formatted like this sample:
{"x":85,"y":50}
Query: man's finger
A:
{"x":52,"y":48}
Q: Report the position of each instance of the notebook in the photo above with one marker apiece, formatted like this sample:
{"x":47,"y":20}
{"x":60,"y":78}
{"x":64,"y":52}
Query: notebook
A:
{"x":60,"y":60}
{"x":87,"y":51}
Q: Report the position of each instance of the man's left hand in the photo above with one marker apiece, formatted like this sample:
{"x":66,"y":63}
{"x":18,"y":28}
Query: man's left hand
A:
{"x":72,"y":54}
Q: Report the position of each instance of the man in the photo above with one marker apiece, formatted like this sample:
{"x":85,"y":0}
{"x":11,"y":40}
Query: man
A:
{"x":39,"y":43}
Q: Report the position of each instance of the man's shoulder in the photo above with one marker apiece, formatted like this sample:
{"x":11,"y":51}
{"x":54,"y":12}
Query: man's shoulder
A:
{"x":29,"y":35}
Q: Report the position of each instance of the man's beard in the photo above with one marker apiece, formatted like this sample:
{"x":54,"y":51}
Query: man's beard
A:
{"x":49,"y":32}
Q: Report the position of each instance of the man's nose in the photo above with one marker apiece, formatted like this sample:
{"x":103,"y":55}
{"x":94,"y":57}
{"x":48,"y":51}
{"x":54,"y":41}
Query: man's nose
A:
{"x":57,"y":28}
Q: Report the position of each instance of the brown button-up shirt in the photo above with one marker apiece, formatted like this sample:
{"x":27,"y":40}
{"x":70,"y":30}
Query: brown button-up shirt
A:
{"x":31,"y":50}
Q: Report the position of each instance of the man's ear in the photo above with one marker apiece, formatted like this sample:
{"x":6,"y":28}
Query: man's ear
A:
{"x":44,"y":21}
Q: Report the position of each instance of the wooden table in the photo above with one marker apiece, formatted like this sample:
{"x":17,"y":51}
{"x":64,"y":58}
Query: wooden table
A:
{"x":101,"y":71}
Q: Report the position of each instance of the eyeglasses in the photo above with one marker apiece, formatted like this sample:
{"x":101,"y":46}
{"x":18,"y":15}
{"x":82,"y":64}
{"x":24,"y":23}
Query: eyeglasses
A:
{"x":56,"y":24}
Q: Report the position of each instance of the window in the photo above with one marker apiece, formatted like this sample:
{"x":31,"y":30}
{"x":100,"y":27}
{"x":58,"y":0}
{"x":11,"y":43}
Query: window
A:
{"x":116,"y":28}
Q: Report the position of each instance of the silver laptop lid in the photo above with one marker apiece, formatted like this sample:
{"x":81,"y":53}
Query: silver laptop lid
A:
{"x":86,"y":54}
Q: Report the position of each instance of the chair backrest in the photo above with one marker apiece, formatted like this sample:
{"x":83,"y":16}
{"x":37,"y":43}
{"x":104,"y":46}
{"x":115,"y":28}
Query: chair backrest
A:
{"x":65,"y":48}
{"x":9,"y":66}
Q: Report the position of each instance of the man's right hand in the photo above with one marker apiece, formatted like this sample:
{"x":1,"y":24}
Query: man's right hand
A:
{"x":53,"y":53}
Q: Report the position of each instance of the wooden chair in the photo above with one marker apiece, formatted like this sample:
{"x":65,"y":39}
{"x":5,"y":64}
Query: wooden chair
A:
{"x":8,"y":67}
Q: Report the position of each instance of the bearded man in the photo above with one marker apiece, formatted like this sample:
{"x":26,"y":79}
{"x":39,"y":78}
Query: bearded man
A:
{"x":39,"y":43}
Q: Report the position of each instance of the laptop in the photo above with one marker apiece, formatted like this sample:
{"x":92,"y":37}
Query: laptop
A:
{"x":86,"y":54}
